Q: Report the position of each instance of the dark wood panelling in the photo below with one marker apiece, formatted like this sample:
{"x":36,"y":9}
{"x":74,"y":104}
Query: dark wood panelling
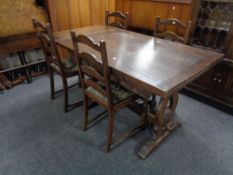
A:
{"x":68,"y":14}
{"x":142,"y":13}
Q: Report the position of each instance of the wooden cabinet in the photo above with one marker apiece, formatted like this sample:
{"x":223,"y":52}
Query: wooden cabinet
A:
{"x":213,"y":29}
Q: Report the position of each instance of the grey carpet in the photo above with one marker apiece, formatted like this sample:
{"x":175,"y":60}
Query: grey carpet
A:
{"x":38,"y":138}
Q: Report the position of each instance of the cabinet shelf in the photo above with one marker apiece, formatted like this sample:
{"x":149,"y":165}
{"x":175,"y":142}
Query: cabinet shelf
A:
{"x":22,"y":66}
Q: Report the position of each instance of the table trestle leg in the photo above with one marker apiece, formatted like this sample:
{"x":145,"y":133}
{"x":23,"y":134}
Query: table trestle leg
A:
{"x":163,"y":124}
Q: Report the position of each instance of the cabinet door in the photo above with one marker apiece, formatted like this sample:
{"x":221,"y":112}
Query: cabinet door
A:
{"x":229,"y":50}
{"x":217,"y":83}
{"x":202,"y":83}
{"x":222,"y":82}
{"x":228,"y":89}
{"x":218,"y":79}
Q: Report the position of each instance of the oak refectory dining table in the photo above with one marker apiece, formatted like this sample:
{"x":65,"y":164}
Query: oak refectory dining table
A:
{"x":149,"y":66}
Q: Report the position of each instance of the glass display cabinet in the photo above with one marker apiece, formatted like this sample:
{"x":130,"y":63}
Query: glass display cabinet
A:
{"x":213,"y":29}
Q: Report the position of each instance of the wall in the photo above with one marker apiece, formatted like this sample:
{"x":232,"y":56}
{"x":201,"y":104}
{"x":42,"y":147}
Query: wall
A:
{"x":68,"y":14}
{"x":142,"y":13}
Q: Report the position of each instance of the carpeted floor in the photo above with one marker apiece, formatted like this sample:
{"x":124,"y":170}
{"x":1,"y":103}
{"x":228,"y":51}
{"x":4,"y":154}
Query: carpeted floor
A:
{"x":38,"y":138}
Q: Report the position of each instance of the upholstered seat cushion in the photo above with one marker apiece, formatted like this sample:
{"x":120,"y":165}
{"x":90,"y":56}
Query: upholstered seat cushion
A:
{"x":69,"y":64}
{"x":119,"y":93}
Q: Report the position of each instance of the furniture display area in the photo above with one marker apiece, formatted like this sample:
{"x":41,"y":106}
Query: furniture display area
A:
{"x":119,"y":68}
{"x":17,"y":36}
{"x":151,"y":74}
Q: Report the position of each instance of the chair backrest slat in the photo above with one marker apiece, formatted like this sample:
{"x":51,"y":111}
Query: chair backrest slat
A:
{"x":91,"y":72}
{"x":170,"y":34}
{"x":121,"y":20}
{"x":95,"y":85}
{"x":91,"y":60}
{"x":94,"y":72}
{"x":89,"y":42}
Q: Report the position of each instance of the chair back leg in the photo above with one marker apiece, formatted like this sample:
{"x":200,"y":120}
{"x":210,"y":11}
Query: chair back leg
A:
{"x":51,"y":78}
{"x":66,"y":96}
{"x":110,"y":129}
{"x":85,"y":118}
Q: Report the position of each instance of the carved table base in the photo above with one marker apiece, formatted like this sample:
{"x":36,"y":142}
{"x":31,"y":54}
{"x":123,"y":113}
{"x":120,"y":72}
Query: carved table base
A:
{"x":163,"y":124}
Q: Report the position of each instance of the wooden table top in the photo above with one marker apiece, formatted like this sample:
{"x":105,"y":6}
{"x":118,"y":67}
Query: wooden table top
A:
{"x":160,"y":66}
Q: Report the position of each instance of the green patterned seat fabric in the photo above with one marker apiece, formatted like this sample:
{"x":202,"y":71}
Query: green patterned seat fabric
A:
{"x":119,"y":93}
{"x":69,"y":64}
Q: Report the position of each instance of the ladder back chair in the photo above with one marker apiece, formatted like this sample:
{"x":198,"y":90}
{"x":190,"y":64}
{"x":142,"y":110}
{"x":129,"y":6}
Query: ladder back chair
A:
{"x":65,"y":68}
{"x":170,"y":34}
{"x":120,"y":21}
{"x":96,"y":84}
